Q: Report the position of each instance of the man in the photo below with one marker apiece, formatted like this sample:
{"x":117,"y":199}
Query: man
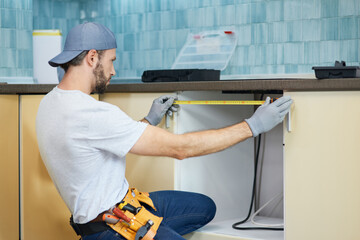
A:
{"x":83,"y":143}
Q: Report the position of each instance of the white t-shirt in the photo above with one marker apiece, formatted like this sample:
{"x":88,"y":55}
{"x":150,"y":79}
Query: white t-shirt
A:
{"x":83,"y":143}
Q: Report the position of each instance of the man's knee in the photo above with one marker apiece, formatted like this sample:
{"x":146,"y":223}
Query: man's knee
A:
{"x":208,"y":206}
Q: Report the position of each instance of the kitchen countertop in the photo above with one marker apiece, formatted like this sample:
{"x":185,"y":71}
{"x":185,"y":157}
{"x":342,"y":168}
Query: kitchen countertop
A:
{"x":246,"y":85}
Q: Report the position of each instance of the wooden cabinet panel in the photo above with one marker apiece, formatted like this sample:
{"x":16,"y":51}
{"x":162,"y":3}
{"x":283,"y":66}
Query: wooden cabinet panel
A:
{"x":145,"y":173}
{"x":322,"y":166}
{"x":9,"y":167}
{"x":44,"y":214}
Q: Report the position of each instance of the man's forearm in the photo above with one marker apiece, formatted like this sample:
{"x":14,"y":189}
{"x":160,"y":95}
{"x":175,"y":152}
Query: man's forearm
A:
{"x":159,"y":142}
{"x":211,"y":141}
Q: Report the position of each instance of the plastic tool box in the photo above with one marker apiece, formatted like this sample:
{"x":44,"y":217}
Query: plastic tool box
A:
{"x":202,"y":58}
{"x":207,"y":50}
{"x":340,"y":70}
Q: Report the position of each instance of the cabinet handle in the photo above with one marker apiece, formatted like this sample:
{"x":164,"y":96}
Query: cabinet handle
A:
{"x":288,"y":121}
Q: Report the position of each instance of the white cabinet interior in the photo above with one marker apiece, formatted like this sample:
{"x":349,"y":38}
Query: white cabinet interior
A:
{"x":227,"y":176}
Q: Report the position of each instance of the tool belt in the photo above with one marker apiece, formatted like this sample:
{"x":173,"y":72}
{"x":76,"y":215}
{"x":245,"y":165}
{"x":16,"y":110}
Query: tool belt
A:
{"x":129,"y":218}
{"x":143,"y":224}
{"x":88,"y":228}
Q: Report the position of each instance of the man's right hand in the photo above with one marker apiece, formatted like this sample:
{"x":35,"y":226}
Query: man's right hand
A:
{"x":268,"y":115}
{"x":161,"y":106}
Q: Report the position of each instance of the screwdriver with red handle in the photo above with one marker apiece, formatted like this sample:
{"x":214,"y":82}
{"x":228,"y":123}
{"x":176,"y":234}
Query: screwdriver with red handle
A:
{"x":109,"y":218}
{"x":118,"y":213}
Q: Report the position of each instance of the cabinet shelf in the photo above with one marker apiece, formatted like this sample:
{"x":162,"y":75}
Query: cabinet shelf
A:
{"x":222,"y":230}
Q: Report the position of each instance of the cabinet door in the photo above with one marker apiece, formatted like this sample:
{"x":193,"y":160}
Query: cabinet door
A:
{"x":322,"y":166}
{"x":44,"y":214}
{"x":143,"y":172}
{"x":9,"y":167}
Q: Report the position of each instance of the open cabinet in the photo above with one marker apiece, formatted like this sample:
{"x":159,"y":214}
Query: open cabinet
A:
{"x":227,"y":176}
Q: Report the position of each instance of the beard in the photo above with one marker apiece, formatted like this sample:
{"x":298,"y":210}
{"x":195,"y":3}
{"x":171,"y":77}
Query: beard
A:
{"x":100,"y":79}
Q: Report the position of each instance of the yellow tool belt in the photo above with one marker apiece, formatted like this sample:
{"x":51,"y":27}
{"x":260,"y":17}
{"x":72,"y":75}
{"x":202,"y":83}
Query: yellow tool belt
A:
{"x":129,"y":230}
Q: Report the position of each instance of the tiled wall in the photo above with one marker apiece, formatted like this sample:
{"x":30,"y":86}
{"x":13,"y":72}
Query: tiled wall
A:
{"x":275,"y":36}
{"x":56,"y":14}
{"x":16,"y":38}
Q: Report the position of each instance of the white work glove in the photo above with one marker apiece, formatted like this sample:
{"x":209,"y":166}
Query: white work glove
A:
{"x":161,"y":106}
{"x":268,"y":115}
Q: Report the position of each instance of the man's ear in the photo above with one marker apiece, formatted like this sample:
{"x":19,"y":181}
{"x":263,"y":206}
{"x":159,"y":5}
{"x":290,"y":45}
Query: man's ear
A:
{"x":92,"y":58}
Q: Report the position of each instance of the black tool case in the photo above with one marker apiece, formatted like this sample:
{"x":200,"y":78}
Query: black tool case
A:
{"x":180,"y":75}
{"x":340,"y":70}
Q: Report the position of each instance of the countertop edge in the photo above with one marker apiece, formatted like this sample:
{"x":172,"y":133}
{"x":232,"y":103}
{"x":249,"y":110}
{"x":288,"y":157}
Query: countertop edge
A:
{"x":343,"y":84}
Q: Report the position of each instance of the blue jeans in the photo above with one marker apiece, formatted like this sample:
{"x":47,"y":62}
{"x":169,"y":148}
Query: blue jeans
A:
{"x":183,"y":212}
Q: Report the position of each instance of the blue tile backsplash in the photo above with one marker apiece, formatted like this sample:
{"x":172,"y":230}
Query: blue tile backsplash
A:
{"x":16,"y":38}
{"x":274,"y":36}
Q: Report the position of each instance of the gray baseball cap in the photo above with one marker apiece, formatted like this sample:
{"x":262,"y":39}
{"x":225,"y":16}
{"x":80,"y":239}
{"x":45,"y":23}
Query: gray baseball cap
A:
{"x":82,"y":37}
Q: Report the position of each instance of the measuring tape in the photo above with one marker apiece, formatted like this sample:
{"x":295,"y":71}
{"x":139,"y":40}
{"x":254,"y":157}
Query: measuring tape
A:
{"x":218,"y":102}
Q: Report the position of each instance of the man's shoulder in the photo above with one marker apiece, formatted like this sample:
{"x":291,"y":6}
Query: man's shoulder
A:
{"x":79,"y":103}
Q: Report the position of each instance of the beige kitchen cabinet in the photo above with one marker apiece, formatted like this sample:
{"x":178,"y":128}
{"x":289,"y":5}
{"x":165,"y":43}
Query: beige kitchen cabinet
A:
{"x":44,"y":213}
{"x":9,"y":167}
{"x":322,"y":166}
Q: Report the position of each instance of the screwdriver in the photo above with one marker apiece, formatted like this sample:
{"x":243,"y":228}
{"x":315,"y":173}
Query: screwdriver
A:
{"x":109,"y":218}
{"x":120,"y":214}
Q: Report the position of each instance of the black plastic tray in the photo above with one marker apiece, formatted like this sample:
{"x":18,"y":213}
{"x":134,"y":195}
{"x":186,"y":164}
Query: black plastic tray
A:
{"x":181,"y":75}
{"x":340,"y":70}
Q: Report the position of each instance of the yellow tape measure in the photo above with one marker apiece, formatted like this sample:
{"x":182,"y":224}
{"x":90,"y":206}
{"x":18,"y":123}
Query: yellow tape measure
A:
{"x":218,"y":102}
